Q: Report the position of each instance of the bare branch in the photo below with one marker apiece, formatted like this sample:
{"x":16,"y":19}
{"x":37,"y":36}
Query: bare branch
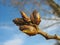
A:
{"x":44,"y":34}
{"x":47,"y":36}
{"x":54,"y":19}
{"x":55,"y":7}
{"x":50,"y":25}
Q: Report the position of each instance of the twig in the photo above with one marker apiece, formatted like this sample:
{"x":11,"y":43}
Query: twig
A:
{"x":51,"y":19}
{"x":54,"y":6}
{"x":47,"y":36}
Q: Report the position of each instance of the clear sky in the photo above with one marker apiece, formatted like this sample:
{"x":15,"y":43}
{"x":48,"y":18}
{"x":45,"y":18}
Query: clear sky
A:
{"x":11,"y":35}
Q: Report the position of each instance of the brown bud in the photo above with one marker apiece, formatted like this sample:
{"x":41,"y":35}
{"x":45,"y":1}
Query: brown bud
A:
{"x":35,"y":17}
{"x":19,"y":21}
{"x":25,"y":17}
{"x":30,"y":30}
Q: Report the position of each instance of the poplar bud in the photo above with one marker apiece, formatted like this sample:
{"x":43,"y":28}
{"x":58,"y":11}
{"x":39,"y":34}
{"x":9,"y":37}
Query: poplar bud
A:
{"x":19,"y":21}
{"x":29,"y":30}
{"x":35,"y":17}
{"x":25,"y":17}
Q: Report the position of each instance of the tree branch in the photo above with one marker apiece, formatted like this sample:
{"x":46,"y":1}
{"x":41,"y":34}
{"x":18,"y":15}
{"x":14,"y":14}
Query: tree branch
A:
{"x":44,"y":34}
{"x":54,"y":6}
{"x":47,"y":36}
{"x":54,"y":19}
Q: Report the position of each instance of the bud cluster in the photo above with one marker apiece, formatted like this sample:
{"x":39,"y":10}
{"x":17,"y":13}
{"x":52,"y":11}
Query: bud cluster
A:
{"x":27,"y":24}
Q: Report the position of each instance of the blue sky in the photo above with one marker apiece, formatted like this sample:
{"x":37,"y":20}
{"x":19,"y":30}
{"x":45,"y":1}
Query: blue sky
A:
{"x":10,"y":34}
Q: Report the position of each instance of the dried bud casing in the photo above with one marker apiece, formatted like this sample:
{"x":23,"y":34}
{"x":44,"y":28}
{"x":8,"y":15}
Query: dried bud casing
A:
{"x":25,"y":17}
{"x":29,"y":30}
{"x":35,"y":17}
{"x":19,"y":21}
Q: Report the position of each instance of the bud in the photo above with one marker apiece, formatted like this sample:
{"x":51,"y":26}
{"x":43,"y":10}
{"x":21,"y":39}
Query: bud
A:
{"x":29,"y":30}
{"x":35,"y":17}
{"x":25,"y":17}
{"x":19,"y":21}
